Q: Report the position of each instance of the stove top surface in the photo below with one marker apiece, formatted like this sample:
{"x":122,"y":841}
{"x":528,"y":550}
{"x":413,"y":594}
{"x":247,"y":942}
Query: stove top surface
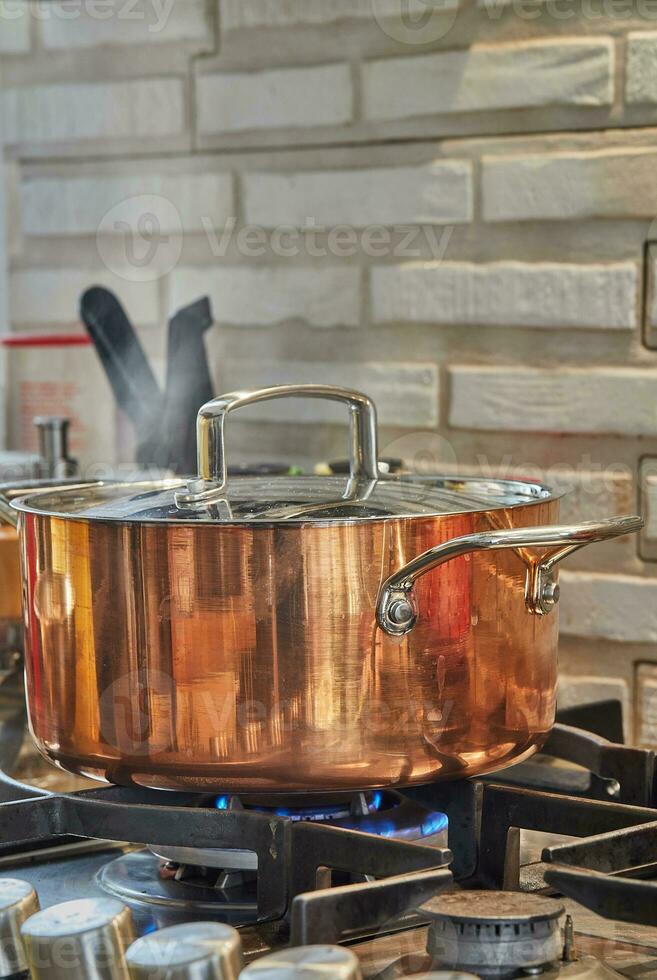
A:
{"x":546,"y":869}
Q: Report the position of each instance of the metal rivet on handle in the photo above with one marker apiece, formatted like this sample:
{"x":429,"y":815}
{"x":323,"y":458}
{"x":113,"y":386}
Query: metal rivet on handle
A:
{"x":18,"y":901}
{"x":190,"y":951}
{"x":550,"y":596}
{"x":80,"y":939}
{"x":401,"y":612}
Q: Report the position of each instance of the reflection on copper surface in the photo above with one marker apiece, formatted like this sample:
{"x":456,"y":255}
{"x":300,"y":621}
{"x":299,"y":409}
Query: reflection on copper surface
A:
{"x":248,"y":659}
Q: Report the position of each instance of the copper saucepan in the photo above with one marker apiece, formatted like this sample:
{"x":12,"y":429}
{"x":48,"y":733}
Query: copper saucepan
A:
{"x":293,"y":634}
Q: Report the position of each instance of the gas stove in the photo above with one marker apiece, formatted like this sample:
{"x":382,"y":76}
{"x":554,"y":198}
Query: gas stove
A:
{"x":543,"y":869}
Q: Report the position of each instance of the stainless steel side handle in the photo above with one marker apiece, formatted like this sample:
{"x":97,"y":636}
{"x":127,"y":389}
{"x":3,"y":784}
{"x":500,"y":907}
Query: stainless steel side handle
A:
{"x":396,"y":609}
{"x":210,"y":485}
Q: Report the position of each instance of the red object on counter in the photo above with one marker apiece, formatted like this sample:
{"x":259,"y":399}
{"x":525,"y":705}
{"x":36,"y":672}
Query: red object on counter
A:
{"x":45,"y":340}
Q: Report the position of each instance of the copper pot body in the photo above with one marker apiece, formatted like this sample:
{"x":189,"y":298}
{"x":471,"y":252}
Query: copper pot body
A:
{"x":248,"y":658}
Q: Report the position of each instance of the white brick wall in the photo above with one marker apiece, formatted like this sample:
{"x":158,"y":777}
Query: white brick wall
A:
{"x":507,"y":293}
{"x":582,"y":689}
{"x":406,"y":394}
{"x":257,"y":294}
{"x":112,"y":110}
{"x":591,"y":496}
{"x":77,"y":205}
{"x":138,"y":22}
{"x":51,"y":296}
{"x":502,"y":76}
{"x":437,"y":193}
{"x":565,"y":186}
{"x":292,"y":97}
{"x":613,"y":607}
{"x":528,"y":399}
{"x":14,"y":27}
{"x":290,"y":13}
{"x":641,"y":79}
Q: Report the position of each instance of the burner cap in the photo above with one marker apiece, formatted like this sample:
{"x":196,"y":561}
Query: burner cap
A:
{"x":485,"y":907}
{"x":494,"y":934}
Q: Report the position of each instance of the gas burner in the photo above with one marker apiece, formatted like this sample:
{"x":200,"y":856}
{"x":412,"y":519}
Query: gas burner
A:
{"x":222,"y":881}
{"x":138,"y":880}
{"x":494,"y":934}
{"x":382,"y":813}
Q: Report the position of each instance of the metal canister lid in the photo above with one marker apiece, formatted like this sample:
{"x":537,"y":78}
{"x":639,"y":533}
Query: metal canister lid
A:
{"x":80,"y":939}
{"x":18,"y":901}
{"x":190,"y":951}
{"x":306,"y":963}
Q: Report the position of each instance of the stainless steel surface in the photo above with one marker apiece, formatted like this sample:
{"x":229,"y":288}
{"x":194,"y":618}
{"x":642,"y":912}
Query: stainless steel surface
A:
{"x":137,"y":879}
{"x":271,"y":501}
{"x":230,"y":859}
{"x":541,"y":593}
{"x":53,"y":447}
{"x":10,"y":492}
{"x":190,"y":951}
{"x":306,"y":963}
{"x":212,"y":468}
{"x":18,"y":901}
{"x":494,"y":934}
{"x":84,"y":939}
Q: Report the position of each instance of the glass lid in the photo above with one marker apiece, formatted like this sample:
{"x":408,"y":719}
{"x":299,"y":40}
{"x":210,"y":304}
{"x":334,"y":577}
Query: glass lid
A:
{"x":211,"y":497}
{"x":297,"y":499}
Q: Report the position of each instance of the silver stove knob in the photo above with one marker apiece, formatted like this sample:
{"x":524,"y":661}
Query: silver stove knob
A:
{"x":306,"y":963}
{"x":191,"y":951}
{"x":18,"y":901}
{"x":78,"y":940}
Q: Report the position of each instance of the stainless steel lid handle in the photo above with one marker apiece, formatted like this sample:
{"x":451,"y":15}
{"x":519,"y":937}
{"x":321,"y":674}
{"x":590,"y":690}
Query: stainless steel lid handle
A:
{"x":396,"y":609}
{"x":210,"y":485}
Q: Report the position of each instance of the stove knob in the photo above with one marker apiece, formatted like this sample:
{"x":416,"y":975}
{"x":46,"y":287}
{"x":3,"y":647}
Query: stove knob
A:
{"x":78,"y":940}
{"x":191,"y":951}
{"x":303,"y":962}
{"x":18,"y":901}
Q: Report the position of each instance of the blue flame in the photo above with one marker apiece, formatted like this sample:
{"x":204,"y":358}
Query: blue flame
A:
{"x":221,"y":802}
{"x":434,"y":824}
